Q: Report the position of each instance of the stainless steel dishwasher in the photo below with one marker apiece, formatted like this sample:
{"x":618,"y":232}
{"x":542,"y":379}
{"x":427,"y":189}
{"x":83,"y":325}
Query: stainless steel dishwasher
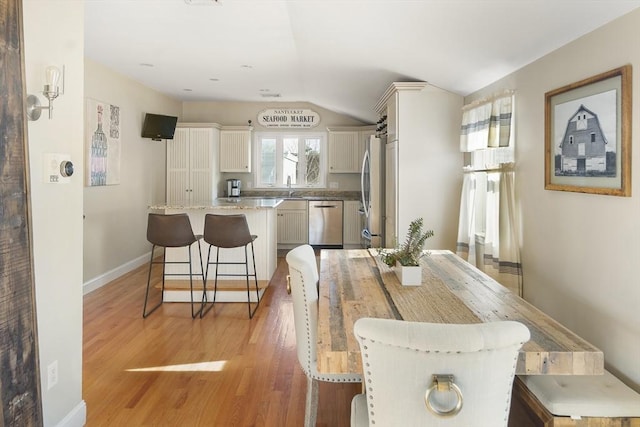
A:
{"x":325,"y":223}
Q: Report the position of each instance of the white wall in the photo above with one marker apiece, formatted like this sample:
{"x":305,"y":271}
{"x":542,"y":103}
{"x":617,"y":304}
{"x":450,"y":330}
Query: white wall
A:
{"x":116,"y":215}
{"x":53,"y":35}
{"x":580,"y":251}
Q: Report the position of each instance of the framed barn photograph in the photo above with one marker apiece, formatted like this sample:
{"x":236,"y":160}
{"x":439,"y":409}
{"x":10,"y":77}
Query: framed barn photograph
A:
{"x":588,"y":135}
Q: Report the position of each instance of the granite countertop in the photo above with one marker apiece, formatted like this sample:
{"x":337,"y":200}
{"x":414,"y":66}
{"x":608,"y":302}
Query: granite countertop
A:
{"x":226,"y":203}
{"x":303,"y":194}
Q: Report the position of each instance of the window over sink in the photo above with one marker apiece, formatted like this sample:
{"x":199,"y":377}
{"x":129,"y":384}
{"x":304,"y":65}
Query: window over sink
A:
{"x":289,"y":160}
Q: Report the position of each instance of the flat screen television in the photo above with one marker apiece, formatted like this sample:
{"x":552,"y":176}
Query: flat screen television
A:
{"x":158,"y":127}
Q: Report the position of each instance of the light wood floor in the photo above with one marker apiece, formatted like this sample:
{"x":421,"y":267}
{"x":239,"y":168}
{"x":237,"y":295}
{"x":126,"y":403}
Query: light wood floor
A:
{"x":223,"y":370}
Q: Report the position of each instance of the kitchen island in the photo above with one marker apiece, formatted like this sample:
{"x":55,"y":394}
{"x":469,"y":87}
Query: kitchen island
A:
{"x":261,"y":217}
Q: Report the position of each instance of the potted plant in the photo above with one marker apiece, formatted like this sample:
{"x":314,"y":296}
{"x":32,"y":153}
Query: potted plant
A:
{"x":405,"y":259}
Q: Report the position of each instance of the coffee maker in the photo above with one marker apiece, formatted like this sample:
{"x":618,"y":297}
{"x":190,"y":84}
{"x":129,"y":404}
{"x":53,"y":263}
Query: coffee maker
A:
{"x":233,"y":187}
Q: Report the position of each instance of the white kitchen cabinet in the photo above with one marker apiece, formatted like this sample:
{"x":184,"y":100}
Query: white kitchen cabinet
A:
{"x":346,"y":149}
{"x":235,"y":149}
{"x":192,"y":172}
{"x":391,"y":195}
{"x":424,"y":123}
{"x":292,"y":223}
{"x":352,"y":224}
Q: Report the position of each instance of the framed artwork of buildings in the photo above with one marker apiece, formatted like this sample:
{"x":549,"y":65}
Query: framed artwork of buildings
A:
{"x":588,"y":135}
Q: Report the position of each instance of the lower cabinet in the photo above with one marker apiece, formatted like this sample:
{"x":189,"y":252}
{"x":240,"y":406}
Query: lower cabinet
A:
{"x":293,"y":228}
{"x":352,"y":224}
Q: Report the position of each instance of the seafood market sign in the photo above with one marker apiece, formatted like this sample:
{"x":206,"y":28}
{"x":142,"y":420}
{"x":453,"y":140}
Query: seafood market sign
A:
{"x":288,"y":118}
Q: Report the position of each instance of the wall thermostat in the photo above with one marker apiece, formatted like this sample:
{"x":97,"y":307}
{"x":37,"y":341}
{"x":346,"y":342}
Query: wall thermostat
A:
{"x":66,"y":168}
{"x":57,"y":168}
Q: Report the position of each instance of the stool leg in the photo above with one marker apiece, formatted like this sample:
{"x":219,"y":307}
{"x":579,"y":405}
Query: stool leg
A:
{"x":215,"y":282}
{"x":204,"y":291}
{"x":255,"y":273}
{"x":255,"y":277}
{"x":246,"y":269}
{"x":146,"y":296}
{"x":193,"y":313}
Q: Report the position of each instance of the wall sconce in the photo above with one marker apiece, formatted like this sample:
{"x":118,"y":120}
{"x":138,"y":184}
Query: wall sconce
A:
{"x":50,"y":91}
{"x":250,"y":125}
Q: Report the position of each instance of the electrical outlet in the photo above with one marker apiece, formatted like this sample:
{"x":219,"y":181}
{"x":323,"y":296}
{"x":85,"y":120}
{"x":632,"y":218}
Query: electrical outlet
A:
{"x":52,"y":375}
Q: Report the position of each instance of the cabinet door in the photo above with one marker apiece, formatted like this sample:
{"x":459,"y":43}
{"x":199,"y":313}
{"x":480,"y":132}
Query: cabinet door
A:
{"x":352,"y":222}
{"x":346,"y":149}
{"x":392,"y":118}
{"x":200,"y":162}
{"x":391,"y":195}
{"x":292,"y":227}
{"x":178,"y":167}
{"x":235,"y":151}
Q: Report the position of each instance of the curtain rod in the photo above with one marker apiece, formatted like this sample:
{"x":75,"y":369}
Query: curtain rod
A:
{"x":503,"y":167}
{"x":491,"y":98}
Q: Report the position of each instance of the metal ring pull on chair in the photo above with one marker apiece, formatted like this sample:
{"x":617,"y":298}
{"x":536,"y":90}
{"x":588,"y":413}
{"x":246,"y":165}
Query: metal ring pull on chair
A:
{"x":229,"y":231}
{"x":171,"y":231}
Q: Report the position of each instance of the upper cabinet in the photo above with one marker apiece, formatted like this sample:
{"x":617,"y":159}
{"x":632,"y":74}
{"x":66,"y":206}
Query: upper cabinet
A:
{"x":401,"y":106}
{"x":235,"y":149}
{"x":191,"y":167}
{"x":346,"y":148}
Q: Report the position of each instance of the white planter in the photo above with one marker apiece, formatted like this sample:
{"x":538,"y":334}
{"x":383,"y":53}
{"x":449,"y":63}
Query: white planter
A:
{"x":409,"y":275}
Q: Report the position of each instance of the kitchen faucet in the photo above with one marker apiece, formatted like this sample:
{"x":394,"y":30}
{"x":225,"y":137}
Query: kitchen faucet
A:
{"x":289,"y":185}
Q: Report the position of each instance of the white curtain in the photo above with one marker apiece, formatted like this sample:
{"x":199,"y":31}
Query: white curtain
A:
{"x":487,"y":124}
{"x":501,"y":241}
{"x":488,"y":229}
{"x":466,"y":245}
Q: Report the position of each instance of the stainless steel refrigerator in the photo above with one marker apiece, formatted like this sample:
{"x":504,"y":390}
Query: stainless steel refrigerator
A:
{"x":372,"y":187}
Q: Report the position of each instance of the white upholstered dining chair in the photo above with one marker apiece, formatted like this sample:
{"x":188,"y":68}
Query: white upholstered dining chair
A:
{"x":303,"y":282}
{"x":443,"y":375}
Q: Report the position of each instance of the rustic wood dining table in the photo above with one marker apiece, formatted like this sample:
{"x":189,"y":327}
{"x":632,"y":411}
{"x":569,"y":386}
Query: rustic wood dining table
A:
{"x":356,"y":283}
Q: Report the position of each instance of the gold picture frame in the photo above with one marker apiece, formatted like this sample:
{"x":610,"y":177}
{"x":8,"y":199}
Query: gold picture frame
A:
{"x":588,"y":135}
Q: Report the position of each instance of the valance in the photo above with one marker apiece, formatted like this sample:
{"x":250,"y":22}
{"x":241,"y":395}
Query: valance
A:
{"x":487,"y":124}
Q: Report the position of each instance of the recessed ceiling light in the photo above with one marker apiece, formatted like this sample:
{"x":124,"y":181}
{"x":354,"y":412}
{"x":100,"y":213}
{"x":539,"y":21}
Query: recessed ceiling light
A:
{"x":202,"y":2}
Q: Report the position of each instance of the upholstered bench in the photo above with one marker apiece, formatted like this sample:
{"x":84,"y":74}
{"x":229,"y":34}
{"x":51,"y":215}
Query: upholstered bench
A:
{"x":574,"y":400}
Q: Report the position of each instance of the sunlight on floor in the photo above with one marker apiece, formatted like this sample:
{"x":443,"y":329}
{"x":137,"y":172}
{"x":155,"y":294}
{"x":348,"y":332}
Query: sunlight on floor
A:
{"x":215,"y":366}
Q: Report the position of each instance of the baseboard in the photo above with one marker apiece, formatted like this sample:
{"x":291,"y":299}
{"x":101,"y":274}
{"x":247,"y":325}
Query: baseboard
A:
{"x":107,"y":277}
{"x":76,"y":418}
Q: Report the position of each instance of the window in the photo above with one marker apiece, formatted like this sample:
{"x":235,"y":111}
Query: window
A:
{"x":296,"y":158}
{"x":593,"y":137}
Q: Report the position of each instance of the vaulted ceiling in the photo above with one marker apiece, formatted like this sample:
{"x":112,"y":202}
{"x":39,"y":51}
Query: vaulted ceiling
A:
{"x":338,"y":54}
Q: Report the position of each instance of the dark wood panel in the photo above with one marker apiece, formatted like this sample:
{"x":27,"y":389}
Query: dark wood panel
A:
{"x":19,"y":370}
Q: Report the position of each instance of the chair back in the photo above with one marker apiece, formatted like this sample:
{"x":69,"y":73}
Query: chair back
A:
{"x":170,"y":231}
{"x":303,"y":278}
{"x":226,"y":231}
{"x":400,"y":358}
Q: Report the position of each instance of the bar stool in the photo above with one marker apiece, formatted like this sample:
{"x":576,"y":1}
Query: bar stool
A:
{"x":171,"y":231}
{"x":229,"y":231}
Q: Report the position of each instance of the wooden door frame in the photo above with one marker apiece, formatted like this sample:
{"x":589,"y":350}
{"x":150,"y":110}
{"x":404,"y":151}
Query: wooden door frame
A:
{"x":20,"y":391}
